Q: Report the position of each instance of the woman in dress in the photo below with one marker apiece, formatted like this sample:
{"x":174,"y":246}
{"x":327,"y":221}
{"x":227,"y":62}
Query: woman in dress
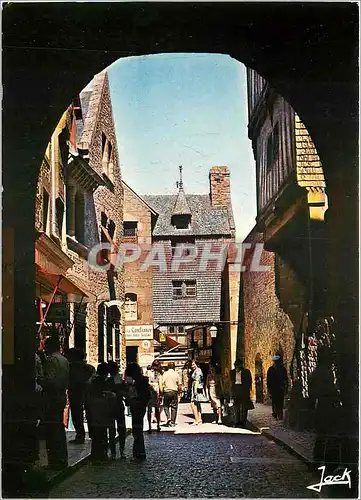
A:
{"x":215,"y":391}
{"x":197,"y":393}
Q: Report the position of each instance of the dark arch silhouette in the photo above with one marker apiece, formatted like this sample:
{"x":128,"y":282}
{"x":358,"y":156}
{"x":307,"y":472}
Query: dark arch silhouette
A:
{"x":308,"y":52}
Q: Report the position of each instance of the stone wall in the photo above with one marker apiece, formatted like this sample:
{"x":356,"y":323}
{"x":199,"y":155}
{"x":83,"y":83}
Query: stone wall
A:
{"x":267,"y":327}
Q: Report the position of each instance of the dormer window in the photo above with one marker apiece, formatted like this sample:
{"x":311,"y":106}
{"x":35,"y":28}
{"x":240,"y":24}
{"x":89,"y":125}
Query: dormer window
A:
{"x":181,"y":221}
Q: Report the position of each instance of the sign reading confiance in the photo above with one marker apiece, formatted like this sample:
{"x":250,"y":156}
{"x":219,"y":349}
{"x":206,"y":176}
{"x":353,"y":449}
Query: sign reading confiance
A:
{"x":139,"y":332}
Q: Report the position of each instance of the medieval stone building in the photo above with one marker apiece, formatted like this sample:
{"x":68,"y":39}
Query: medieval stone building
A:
{"x":191,"y":239}
{"x":139,"y":221}
{"x":280,"y":305}
{"x":79,"y":206}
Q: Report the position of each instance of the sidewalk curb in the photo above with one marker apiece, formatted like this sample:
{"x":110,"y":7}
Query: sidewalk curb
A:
{"x":268,"y":434}
{"x":71,"y":469}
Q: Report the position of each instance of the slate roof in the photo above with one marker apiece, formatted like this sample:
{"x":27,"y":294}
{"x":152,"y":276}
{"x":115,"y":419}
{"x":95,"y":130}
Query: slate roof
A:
{"x":205,"y":221}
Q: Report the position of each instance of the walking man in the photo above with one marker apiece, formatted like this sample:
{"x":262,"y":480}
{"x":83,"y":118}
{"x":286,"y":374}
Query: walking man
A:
{"x":119,"y":386}
{"x":170,"y":386}
{"x":54,"y":381}
{"x":80,"y":373}
{"x":241,"y":379}
{"x":277,"y":385}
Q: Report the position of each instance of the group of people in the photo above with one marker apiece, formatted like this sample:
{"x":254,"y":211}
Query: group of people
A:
{"x":241,"y":385}
{"x":103,"y":394}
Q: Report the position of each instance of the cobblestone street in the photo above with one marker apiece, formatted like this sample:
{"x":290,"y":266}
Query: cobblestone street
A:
{"x":195,"y":462}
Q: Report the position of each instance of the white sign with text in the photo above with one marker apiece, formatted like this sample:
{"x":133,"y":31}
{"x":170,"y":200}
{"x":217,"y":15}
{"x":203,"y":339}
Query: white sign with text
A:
{"x":139,"y":332}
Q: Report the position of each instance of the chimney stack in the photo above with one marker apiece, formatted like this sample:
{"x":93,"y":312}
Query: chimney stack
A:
{"x":220,"y":190}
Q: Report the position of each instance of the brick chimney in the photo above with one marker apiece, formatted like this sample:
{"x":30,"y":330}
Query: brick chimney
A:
{"x":220,"y":190}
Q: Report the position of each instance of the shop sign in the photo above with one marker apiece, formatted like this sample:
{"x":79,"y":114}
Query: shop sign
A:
{"x":162,"y":337}
{"x":58,"y":313}
{"x":145,"y":359}
{"x":139,"y":332}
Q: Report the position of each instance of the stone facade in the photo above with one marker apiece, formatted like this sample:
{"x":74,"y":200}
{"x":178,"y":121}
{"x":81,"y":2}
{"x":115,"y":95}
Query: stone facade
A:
{"x":138,"y":282}
{"x":92,"y":197}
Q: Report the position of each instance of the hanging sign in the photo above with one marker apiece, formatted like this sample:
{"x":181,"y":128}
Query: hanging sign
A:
{"x":58,"y":313}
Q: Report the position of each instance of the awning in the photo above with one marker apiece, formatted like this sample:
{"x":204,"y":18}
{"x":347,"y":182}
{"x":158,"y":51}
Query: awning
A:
{"x":65,"y":285}
{"x":169,"y":341}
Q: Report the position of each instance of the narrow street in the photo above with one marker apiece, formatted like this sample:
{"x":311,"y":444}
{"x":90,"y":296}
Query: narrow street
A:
{"x":195,"y":462}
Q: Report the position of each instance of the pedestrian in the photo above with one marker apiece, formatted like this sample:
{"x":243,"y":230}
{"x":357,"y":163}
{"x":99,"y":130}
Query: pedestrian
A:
{"x":154,"y":377}
{"x":241,"y":380}
{"x":215,"y":390}
{"x":120,"y":393}
{"x":137,"y":397}
{"x":102,"y":404}
{"x":79,"y":375}
{"x":277,"y":385}
{"x":197,"y":393}
{"x":54,"y":381}
{"x":171,"y":387}
{"x":325,"y":400}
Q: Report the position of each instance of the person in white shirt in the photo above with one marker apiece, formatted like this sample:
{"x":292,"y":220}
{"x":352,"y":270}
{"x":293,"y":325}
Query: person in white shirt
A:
{"x":170,"y":387}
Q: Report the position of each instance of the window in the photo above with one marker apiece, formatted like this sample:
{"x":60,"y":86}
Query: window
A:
{"x":111,"y":228}
{"x":45,"y":209}
{"x":181,"y":221}
{"x":272,"y":146}
{"x":131,"y":307}
{"x":184,"y":289}
{"x":171,"y":329}
{"x":130,"y":228}
{"x":180,"y":329}
{"x":189,"y":244}
{"x":59,"y":208}
{"x":79,"y":217}
{"x":107,"y":157}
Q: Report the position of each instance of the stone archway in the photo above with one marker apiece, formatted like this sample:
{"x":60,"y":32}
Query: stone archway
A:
{"x":51,"y":51}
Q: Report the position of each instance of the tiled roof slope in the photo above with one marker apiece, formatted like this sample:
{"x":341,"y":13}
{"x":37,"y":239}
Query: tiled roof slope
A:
{"x":206,"y":220}
{"x":181,"y":206}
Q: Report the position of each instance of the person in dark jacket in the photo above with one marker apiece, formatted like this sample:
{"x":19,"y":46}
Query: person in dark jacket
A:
{"x":54,"y":381}
{"x":79,"y":375}
{"x":119,"y":386}
{"x":137,"y":398}
{"x":277,"y":385}
{"x":102,"y":407}
{"x":241,"y":380}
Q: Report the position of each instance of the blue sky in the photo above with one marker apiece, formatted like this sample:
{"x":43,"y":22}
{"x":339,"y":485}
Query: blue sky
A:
{"x":189,"y":110}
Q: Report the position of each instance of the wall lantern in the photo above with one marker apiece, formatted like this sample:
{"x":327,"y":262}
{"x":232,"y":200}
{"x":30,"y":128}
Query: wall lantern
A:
{"x":213,"y":330}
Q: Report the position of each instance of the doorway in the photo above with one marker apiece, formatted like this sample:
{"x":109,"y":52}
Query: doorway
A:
{"x":131,"y":354}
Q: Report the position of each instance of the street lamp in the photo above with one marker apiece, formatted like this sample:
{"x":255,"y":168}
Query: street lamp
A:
{"x":213,"y":330}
